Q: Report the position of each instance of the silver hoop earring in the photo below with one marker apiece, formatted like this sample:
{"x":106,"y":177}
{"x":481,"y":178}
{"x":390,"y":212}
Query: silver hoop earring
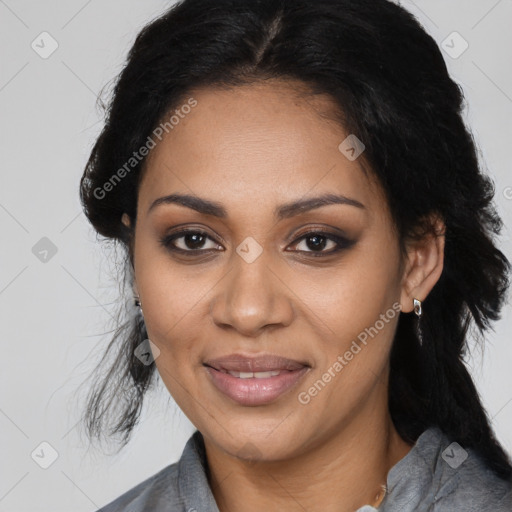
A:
{"x":419,"y":311}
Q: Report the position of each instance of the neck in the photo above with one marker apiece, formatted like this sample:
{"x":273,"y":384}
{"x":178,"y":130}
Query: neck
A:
{"x":341,"y":473}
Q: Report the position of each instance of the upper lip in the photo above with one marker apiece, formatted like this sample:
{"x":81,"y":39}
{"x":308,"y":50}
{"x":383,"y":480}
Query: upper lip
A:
{"x":259,"y":363}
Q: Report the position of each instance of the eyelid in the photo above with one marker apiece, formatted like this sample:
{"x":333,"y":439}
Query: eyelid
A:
{"x":323,"y":229}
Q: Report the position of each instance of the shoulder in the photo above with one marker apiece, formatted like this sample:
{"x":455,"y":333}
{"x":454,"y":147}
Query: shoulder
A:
{"x":180,"y":487}
{"x":440,"y":475}
{"x":151,"y":494}
{"x":475,"y":488}
{"x":460,"y":478}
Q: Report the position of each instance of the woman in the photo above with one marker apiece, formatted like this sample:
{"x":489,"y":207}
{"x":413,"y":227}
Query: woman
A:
{"x":308,"y":237}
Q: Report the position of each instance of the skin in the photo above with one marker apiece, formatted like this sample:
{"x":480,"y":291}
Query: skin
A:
{"x":251,"y":149}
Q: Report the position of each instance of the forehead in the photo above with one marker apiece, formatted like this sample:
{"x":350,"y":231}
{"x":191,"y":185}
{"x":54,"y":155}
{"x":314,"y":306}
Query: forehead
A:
{"x":270,"y":140}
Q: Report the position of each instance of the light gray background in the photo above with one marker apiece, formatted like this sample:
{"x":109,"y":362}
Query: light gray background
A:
{"x":53,"y":314}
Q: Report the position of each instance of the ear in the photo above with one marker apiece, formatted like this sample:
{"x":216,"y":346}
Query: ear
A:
{"x":126,"y":220}
{"x":425,"y":260}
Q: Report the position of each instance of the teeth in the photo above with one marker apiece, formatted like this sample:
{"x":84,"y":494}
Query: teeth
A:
{"x":255,"y":375}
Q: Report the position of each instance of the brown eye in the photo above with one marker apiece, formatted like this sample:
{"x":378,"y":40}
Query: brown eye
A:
{"x":189,"y":241}
{"x":316,"y":243}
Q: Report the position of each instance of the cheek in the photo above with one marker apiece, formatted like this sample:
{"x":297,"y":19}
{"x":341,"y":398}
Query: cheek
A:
{"x":171,"y":300}
{"x":355,"y":313}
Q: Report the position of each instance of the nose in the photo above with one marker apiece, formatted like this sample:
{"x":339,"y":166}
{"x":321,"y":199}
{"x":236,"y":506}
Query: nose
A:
{"x":252,"y":297}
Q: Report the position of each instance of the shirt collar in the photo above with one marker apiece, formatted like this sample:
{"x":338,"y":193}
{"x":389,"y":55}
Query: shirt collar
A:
{"x":192,"y":478}
{"x":417,"y":468}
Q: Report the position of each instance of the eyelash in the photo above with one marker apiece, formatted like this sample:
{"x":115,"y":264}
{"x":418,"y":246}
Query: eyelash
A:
{"x":342,"y":243}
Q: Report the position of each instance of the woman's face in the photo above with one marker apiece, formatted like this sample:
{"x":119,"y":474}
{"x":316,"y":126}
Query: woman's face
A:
{"x":245,"y":280}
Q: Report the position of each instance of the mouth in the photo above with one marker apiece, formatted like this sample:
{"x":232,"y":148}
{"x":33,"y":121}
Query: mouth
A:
{"x":253,"y":381}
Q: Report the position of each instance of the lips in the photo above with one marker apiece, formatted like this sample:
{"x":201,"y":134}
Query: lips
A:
{"x":253,"y":381}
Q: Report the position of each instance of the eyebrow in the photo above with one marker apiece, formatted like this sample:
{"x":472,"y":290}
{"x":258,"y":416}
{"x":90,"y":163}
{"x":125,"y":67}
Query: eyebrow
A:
{"x":284,"y":211}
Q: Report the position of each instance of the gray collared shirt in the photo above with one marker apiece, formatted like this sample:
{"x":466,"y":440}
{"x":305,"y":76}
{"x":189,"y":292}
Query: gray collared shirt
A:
{"x":436,"y":475}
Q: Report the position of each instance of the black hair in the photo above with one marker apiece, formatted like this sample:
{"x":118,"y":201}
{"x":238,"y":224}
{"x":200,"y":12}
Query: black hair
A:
{"x":393,"y":90}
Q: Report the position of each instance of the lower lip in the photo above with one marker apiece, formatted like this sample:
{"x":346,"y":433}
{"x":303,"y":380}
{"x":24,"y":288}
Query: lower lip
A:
{"x":255,"y":391}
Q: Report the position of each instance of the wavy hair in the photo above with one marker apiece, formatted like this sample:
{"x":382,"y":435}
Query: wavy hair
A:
{"x":400,"y":100}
